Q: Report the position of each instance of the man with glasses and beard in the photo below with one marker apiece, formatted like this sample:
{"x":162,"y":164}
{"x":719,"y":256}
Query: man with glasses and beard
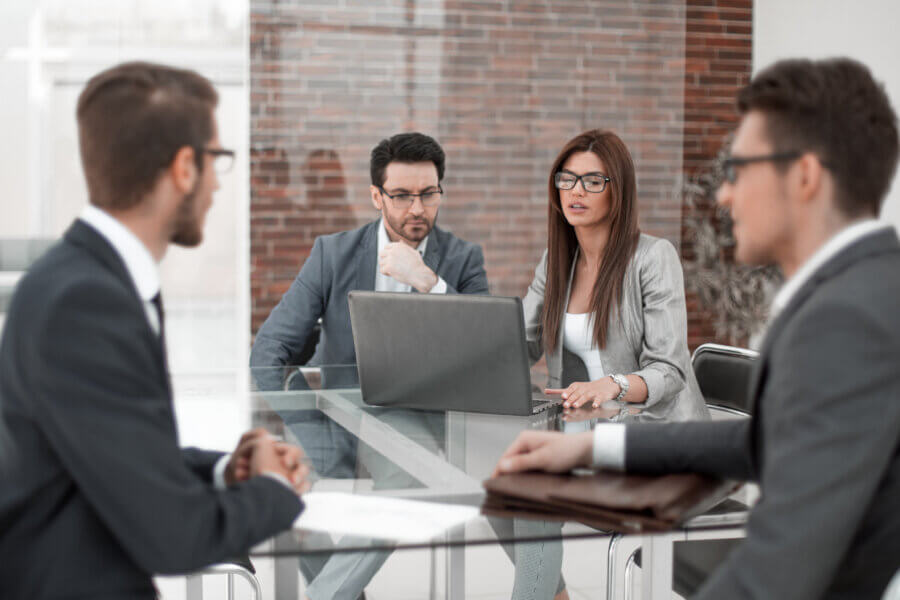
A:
{"x":97,"y":496}
{"x":402,"y":251}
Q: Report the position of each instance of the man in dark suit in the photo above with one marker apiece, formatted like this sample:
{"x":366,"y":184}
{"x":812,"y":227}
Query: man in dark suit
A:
{"x":97,"y":496}
{"x":811,"y":163}
{"x":403,"y":251}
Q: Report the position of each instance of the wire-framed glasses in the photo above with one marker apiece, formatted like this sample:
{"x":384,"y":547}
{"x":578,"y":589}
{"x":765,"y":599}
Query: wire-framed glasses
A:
{"x":403,"y":199}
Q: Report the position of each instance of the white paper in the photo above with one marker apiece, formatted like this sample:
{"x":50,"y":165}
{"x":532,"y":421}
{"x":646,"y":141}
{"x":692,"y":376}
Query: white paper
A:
{"x":380,"y":517}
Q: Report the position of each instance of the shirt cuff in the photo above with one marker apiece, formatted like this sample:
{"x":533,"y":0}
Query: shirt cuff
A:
{"x":440,"y":287}
{"x":609,"y":446}
{"x":280,"y":479}
{"x":219,"y":472}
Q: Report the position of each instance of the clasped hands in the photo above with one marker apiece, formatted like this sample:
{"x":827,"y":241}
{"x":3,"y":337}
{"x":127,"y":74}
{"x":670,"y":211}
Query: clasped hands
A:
{"x":405,"y":264}
{"x":258,"y":453}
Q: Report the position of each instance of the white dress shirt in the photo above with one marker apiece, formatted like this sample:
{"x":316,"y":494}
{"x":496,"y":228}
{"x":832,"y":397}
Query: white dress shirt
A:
{"x":144,"y":273}
{"x":609,"y":438}
{"x":383,"y":283}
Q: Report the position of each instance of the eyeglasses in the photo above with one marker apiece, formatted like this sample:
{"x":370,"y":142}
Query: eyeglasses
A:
{"x":405,"y":199}
{"x":730,"y":165}
{"x":591,"y":182}
{"x":223,"y":159}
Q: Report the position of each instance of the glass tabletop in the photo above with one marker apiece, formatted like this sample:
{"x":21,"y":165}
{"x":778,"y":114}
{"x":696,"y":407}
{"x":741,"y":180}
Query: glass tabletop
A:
{"x":411,"y":454}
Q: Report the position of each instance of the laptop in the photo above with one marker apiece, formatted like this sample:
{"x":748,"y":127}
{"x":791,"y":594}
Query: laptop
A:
{"x":444,"y":352}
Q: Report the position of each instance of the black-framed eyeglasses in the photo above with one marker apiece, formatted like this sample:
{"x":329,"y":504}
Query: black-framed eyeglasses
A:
{"x":406,"y":199}
{"x":730,"y":165}
{"x":591,"y":182}
{"x":223,"y":159}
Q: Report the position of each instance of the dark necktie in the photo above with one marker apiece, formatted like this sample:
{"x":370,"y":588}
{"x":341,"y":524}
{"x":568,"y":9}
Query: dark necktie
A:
{"x":157,"y":302}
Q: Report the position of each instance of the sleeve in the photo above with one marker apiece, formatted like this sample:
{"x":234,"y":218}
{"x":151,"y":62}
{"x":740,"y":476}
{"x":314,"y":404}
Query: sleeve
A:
{"x":440,"y":287}
{"x":202,"y":462}
{"x":108,"y":417}
{"x":473,"y":279}
{"x":664,"y":354}
{"x":609,"y":446}
{"x":533,"y":307}
{"x":717,"y":448}
{"x":284,"y":333}
{"x":830,"y":437}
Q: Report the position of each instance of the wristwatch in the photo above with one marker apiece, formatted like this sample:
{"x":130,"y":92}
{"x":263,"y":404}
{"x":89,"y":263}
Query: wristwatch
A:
{"x":623,"y":384}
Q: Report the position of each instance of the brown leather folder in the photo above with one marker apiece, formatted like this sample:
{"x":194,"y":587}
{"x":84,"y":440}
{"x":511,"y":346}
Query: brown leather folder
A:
{"x":606,"y":500}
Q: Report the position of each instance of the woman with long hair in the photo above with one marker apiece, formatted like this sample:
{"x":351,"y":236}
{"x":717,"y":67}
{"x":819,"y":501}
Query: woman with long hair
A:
{"x":607,"y":304}
{"x":607,"y":308}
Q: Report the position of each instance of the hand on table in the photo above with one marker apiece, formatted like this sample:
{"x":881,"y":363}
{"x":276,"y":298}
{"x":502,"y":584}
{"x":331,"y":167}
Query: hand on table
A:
{"x":258,"y":453}
{"x":405,"y":264}
{"x":549,"y":451}
{"x":581,"y":392}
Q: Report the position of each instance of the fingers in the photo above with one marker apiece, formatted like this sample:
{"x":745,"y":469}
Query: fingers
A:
{"x":532,"y":460}
{"x":527,"y":442}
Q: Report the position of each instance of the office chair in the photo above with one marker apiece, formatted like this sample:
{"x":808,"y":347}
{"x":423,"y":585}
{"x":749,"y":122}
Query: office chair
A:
{"x":723,"y":374}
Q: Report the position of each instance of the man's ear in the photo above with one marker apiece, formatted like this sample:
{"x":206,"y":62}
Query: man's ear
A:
{"x":810,"y":176}
{"x":376,"y":197}
{"x":183,"y":170}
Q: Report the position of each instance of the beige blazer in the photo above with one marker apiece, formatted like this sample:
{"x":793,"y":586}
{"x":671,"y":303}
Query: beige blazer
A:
{"x":648,"y":335}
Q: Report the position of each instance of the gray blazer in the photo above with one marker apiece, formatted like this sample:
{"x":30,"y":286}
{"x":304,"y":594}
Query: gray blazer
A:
{"x":342,"y":262}
{"x":823,"y":443}
{"x":647,"y":338}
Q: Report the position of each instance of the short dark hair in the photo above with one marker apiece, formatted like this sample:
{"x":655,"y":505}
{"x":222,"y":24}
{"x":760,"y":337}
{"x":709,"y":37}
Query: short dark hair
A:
{"x":835,"y":109}
{"x":406,"y":148}
{"x":132,"y":120}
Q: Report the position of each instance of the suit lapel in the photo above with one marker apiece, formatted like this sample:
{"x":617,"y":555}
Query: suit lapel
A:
{"x":368,"y":258}
{"x":83,"y":235}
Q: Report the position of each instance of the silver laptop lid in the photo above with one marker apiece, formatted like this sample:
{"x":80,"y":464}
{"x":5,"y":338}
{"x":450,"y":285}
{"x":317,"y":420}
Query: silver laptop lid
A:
{"x":441,"y":351}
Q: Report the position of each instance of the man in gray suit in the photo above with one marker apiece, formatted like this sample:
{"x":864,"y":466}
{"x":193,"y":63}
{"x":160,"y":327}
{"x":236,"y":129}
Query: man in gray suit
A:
{"x":403,"y":251}
{"x":400,"y":252}
{"x":811,"y":162}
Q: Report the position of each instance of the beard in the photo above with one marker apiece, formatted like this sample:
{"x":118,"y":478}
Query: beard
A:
{"x":187,"y":231}
{"x":398,"y":227}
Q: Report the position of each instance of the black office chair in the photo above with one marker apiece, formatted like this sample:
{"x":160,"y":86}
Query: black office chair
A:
{"x":723,"y":374}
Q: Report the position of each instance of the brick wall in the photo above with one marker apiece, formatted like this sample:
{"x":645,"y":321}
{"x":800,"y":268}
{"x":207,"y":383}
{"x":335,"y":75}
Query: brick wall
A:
{"x":718,"y":53}
{"x":501,"y":84}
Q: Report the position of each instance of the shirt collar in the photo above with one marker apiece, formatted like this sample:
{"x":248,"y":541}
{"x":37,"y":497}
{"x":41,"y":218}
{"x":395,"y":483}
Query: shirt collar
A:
{"x":138,"y":261}
{"x":829,"y":249}
{"x":384,"y":240}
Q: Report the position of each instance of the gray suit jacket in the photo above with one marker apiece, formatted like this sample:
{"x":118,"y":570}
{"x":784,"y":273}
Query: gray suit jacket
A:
{"x":342,"y":262}
{"x":823,"y":443}
{"x":648,"y":335}
{"x":95,"y":494}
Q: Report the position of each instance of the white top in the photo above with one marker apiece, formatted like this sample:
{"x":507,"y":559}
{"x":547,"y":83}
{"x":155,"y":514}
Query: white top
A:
{"x":139,"y":263}
{"x":578,"y":338}
{"x":609,"y":439}
{"x":383,"y":283}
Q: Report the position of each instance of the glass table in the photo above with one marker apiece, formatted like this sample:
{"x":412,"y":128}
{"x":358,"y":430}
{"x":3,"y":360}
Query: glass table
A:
{"x":431,"y":456}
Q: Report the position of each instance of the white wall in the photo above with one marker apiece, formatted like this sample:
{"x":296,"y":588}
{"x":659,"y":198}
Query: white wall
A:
{"x":864,"y":29}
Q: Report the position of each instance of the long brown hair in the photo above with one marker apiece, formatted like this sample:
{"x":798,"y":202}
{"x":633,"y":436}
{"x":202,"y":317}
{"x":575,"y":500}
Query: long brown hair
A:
{"x":606,"y":295}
